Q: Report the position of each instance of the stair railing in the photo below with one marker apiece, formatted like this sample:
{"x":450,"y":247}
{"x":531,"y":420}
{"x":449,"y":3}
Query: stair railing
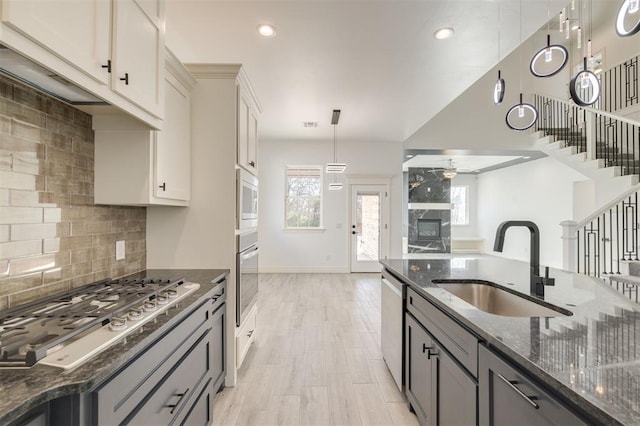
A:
{"x":599,"y":243}
{"x":600,"y":134}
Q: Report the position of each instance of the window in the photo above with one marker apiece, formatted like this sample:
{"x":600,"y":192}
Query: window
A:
{"x":303,"y":197}
{"x":460,"y":201}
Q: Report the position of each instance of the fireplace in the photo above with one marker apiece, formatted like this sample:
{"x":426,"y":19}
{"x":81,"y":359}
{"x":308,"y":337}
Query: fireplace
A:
{"x":429,"y":229}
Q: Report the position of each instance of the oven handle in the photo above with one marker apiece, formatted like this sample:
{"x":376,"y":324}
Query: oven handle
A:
{"x":246,"y":256}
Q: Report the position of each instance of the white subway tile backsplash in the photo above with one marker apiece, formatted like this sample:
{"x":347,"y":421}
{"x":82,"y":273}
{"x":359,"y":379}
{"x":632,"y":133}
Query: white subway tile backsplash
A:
{"x":52,"y":235}
{"x":52,"y":215}
{"x":33,"y":231}
{"x":26,"y":164}
{"x":15,"y":180}
{"x":16,"y":249}
{"x":10,"y":215}
{"x":51,"y":245}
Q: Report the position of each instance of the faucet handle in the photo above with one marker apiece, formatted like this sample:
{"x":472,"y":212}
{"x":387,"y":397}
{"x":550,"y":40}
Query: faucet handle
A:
{"x":547,"y":280}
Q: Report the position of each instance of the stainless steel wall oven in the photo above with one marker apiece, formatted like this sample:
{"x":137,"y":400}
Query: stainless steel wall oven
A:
{"x":246,"y":275}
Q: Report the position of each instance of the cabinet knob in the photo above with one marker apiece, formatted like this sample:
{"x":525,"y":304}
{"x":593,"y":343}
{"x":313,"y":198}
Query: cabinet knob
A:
{"x":108,"y":66}
{"x":252,"y":163}
{"x":163,"y":186}
{"x":125,"y":78}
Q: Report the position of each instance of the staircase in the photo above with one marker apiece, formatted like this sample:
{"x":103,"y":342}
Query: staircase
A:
{"x":597,"y":144}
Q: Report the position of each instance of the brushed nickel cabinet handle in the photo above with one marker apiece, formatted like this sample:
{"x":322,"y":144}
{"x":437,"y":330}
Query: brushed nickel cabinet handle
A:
{"x":512,"y":385}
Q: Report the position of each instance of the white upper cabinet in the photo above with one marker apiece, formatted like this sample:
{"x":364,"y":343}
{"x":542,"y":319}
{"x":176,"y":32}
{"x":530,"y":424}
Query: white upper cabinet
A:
{"x":78,"y":31}
{"x":135,"y":165}
{"x":117,"y":44}
{"x":138,"y":47}
{"x":247,"y":133}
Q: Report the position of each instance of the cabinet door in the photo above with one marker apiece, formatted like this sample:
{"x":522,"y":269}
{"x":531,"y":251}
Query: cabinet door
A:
{"x":138,"y":56}
{"x":507,"y":397}
{"x":252,"y":142}
{"x":457,"y":392}
{"x":77,"y":31}
{"x":243,"y":129}
{"x":217,"y":346}
{"x":173,"y":145}
{"x":421,"y":378}
{"x":200,"y":413}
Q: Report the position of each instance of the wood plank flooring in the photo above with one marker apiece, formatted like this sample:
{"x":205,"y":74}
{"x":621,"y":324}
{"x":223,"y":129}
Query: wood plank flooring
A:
{"x":316,"y":359}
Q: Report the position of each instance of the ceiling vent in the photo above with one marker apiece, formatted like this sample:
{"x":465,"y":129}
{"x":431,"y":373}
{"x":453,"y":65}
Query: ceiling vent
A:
{"x":310,"y":123}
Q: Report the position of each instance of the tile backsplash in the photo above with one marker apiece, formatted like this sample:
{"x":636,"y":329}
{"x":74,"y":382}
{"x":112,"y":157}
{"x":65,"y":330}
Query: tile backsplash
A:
{"x":52,"y":235}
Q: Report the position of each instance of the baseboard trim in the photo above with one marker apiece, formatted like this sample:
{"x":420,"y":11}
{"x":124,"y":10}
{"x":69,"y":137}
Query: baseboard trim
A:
{"x":303,"y":270}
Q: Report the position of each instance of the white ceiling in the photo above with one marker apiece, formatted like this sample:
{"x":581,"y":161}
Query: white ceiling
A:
{"x":462,"y":163}
{"x":377,"y":61}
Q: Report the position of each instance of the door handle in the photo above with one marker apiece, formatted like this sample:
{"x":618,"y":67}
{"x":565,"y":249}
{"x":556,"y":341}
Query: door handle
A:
{"x":353,"y":232}
{"x":512,"y":385}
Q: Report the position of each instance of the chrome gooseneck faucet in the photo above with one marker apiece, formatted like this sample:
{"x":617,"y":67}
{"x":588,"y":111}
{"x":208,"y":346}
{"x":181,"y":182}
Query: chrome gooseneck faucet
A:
{"x":536,"y":283}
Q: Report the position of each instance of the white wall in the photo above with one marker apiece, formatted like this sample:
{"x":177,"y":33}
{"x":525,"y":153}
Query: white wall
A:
{"x":470,"y":230}
{"x":326,"y":250}
{"x":540,"y":191}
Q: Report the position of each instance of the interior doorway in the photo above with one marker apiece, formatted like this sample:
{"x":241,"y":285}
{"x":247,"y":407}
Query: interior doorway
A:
{"x":369,"y":228}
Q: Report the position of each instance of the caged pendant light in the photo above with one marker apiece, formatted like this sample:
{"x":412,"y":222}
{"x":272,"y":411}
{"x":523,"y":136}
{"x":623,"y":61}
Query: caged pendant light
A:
{"x":335,"y":167}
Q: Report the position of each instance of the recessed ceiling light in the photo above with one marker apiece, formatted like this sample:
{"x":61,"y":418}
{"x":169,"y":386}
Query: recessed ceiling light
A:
{"x":266,"y":30}
{"x":525,"y":158}
{"x":409,"y":156}
{"x":443,"y":33}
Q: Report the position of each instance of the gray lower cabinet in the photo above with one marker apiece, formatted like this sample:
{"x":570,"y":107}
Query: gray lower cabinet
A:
{"x":440,"y":391}
{"x":508,"y":397}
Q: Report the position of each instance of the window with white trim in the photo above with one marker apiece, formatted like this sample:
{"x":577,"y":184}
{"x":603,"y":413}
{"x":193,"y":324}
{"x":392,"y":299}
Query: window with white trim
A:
{"x":460,"y":201}
{"x":303,"y":197}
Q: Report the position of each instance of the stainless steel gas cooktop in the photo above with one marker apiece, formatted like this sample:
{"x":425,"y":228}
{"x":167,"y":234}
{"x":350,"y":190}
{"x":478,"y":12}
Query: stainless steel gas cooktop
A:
{"x":65,"y":329}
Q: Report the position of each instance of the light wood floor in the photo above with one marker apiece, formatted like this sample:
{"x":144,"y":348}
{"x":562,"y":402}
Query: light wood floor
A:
{"x":317,"y":358}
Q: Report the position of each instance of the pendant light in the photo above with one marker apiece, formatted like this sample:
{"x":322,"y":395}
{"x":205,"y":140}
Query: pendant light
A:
{"x":551,"y":59}
{"x":629,"y":11}
{"x":499,"y":88}
{"x":335,"y":168}
{"x":522,"y":115}
{"x":584,"y":87}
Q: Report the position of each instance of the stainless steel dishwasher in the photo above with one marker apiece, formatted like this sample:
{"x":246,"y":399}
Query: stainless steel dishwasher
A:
{"x":392,"y":329}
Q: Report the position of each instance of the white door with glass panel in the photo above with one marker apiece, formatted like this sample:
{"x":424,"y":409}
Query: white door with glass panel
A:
{"x":369,"y":227}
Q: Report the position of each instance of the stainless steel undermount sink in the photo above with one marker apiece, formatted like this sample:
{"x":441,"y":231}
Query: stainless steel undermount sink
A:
{"x":498,"y":301}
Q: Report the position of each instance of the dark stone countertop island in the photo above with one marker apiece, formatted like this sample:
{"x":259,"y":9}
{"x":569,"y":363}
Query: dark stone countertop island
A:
{"x":591,"y":358}
{"x":26,"y":388}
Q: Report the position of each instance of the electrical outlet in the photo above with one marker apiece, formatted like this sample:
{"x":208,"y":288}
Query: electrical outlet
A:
{"x":120,"y":254}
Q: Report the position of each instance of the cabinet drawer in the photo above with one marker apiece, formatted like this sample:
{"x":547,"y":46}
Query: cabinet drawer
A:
{"x":174,"y":390}
{"x":509,"y":397}
{"x":115,"y":399}
{"x":246,"y":336}
{"x":453,"y":337}
{"x":200,"y":413}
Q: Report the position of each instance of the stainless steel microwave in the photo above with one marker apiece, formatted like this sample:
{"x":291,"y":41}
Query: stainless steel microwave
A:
{"x":247,"y":196}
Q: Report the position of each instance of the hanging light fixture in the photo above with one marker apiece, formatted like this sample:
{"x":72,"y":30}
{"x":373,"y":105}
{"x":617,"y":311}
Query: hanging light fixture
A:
{"x":335,"y":167}
{"x":629,"y":11}
{"x":522,"y":115}
{"x":449,"y":172}
{"x":549,"y":60}
{"x":584,"y":87}
{"x":499,"y":88}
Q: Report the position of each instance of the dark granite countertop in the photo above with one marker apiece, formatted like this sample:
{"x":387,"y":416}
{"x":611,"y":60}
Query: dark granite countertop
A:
{"x":25,"y":389}
{"x":591,"y":359}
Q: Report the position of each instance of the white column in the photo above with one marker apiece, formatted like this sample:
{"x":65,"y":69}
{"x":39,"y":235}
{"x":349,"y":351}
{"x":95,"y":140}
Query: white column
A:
{"x":569,"y":245}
